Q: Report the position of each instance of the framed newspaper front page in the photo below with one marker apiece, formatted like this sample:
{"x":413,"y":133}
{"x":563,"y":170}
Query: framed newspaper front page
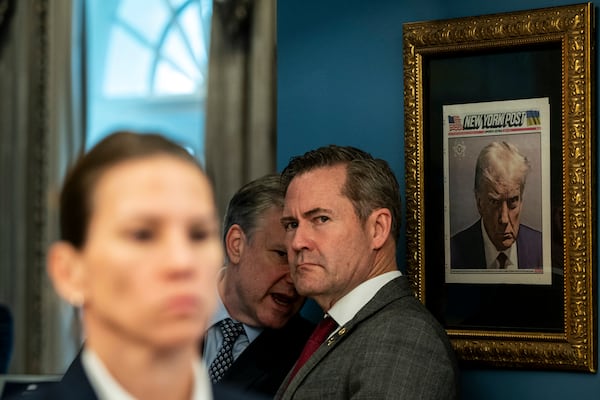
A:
{"x":500,"y":197}
{"x":497,"y":192}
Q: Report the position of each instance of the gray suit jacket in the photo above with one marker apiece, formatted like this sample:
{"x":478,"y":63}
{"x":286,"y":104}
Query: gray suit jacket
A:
{"x":392,"y":349}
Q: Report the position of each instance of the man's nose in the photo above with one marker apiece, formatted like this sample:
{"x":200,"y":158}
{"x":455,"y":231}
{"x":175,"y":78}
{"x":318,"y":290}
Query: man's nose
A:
{"x":285,"y":272}
{"x":504,"y":215}
{"x":300,"y":239}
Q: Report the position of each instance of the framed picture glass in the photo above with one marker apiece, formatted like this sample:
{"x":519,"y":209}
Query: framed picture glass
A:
{"x":516,"y":86}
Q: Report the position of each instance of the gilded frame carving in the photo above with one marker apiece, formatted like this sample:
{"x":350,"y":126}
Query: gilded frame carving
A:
{"x":566,"y":34}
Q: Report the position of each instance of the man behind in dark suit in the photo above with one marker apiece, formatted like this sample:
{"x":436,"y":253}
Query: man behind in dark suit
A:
{"x":342,"y":218}
{"x":255,"y":289}
{"x":498,"y":240}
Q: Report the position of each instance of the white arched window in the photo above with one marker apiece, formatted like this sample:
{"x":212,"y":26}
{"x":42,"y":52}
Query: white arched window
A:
{"x":147,"y":64}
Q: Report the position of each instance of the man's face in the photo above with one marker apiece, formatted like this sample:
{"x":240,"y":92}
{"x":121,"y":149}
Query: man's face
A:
{"x":500,"y":209}
{"x":328,"y":248}
{"x":265,"y":292}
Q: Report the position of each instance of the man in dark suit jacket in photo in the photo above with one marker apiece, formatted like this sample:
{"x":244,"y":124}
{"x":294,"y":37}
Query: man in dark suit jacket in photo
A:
{"x":498,"y":240}
{"x":342,"y":218}
{"x":256,"y":291}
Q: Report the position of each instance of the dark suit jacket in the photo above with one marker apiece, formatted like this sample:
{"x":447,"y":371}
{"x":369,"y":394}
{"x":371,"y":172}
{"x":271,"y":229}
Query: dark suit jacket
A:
{"x":75,"y":386}
{"x":467,"y":249}
{"x":392,"y":349}
{"x":263,"y":365}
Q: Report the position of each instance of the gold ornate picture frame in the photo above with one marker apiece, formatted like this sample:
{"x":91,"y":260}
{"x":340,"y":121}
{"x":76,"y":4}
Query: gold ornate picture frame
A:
{"x":544,"y":53}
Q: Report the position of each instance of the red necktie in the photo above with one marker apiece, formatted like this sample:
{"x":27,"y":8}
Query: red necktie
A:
{"x":321,"y":332}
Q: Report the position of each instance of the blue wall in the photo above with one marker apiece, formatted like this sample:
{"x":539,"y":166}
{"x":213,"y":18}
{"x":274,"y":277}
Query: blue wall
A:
{"x":340,"y":80}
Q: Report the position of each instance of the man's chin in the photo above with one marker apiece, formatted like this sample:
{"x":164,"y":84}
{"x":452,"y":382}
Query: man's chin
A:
{"x":276,"y":321}
{"x":505,"y":245}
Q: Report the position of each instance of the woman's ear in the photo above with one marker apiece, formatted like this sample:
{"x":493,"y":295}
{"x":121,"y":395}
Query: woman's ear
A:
{"x":381,"y":223}
{"x":234,"y":243}
{"x":66,"y":272}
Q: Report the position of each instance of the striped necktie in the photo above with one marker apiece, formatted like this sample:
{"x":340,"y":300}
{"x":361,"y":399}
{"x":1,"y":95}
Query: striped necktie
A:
{"x":231,"y":331}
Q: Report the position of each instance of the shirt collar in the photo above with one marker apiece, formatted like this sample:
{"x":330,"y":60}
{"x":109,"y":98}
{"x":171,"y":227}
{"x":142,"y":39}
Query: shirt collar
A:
{"x":106,"y":386}
{"x":491,"y":253}
{"x":221,"y":313}
{"x":348,"y":306}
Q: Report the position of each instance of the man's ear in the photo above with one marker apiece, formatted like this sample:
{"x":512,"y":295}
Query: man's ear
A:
{"x":381,"y":224}
{"x":234,"y":243}
{"x":66,"y":272}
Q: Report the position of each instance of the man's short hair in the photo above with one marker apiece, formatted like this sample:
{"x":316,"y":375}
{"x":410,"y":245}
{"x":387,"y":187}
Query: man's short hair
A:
{"x":370,"y":183}
{"x":251,"y":201}
{"x":501,"y":162}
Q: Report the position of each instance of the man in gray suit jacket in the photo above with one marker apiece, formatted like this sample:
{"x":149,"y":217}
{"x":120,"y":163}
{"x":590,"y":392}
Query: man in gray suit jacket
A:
{"x":341,"y":215}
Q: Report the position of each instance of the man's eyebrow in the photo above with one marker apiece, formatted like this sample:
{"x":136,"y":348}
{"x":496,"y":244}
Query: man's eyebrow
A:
{"x":307,"y":214}
{"x":315,"y":211}
{"x":287,"y":220}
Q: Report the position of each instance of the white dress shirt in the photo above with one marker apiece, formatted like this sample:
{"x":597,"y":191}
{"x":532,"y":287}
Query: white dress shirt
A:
{"x":214,"y":337}
{"x":107,"y":388}
{"x":348,"y":306}
{"x":491,"y":254}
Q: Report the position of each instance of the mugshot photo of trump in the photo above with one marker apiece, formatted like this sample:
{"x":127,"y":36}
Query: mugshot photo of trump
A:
{"x":498,"y":224}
